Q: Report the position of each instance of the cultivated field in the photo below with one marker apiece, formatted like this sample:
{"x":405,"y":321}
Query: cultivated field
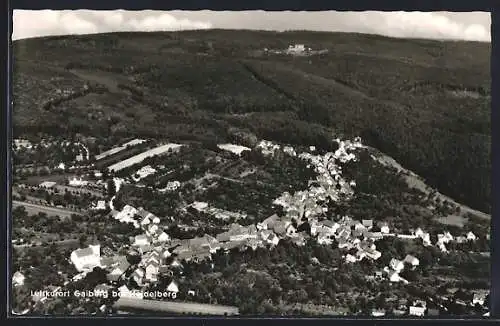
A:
{"x":120,"y":148}
{"x":141,"y":157}
{"x":33,"y":209}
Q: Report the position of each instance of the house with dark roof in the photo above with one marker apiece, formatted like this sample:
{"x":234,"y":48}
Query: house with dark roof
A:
{"x":118,"y":269}
{"x":138,"y":276}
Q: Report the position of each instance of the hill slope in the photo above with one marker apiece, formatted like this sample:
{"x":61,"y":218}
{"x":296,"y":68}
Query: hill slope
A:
{"x":425,"y":103}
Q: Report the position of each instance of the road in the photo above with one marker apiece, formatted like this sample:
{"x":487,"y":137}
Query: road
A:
{"x":125,"y":303}
{"x":50,"y":211}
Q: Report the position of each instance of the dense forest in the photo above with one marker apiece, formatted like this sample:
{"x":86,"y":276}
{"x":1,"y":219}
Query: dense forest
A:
{"x":425,"y":103}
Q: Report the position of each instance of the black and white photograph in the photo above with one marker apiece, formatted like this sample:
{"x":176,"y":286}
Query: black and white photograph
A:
{"x":250,"y":163}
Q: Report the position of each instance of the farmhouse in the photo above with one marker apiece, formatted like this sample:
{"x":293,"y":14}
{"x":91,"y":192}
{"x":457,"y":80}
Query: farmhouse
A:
{"x":86,"y":259}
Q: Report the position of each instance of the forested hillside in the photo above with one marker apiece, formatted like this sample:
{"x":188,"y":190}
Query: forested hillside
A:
{"x":425,"y":103}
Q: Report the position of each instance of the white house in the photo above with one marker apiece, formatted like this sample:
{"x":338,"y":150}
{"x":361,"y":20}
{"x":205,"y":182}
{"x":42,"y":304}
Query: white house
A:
{"x":426,"y":239}
{"x":152,"y":270}
{"x":367,"y":223}
{"x":172,"y":287}
{"x":86,"y":259}
{"x":127,"y":214}
{"x":314,"y":227}
{"x":378,"y":313}
{"x":395,"y":278}
{"x":478,"y":298}
{"x":373,"y":254}
{"x":273,"y":239}
{"x":324,"y":238}
{"x":18,"y":279}
{"x":289,"y":150}
{"x":153,"y":229}
{"x":412,"y":260}
{"x":384,"y":228}
{"x":156,"y":220}
{"x":163,"y":237}
{"x":291,"y":230}
{"x":471,"y":236}
{"x":419,"y":232}
{"x":445,"y":237}
{"x":359,"y":227}
{"x":175,"y":263}
{"x":350,"y":258}
{"x":141,"y":240}
{"x":100,"y":206}
{"x":166,"y":254}
{"x":173,"y":185}
{"x":397,"y":265}
{"x":199,"y":206}
{"x":145,"y":221}
{"x":138,"y":276}
{"x":417,"y":311}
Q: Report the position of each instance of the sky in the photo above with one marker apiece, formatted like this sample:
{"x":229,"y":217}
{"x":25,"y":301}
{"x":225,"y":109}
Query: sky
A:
{"x":470,"y":26}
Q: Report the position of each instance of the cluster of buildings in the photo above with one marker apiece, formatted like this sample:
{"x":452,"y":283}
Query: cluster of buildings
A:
{"x":304,"y":216}
{"x":268,"y":148}
{"x":444,"y":238}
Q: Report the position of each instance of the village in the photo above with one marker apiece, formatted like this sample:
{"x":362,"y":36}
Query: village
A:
{"x":154,"y":254}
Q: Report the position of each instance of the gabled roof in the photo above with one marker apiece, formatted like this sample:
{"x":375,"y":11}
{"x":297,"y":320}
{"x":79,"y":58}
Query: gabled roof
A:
{"x":80,"y":253}
{"x":141,"y":237}
{"x":270,"y":220}
{"x":367,"y":223}
{"x":328,"y":223}
{"x":142,"y":212}
{"x":153,"y":263}
{"x":139,"y":272}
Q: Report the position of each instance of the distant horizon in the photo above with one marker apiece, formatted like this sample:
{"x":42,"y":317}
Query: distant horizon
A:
{"x":440,"y":26}
{"x":256,"y":30}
